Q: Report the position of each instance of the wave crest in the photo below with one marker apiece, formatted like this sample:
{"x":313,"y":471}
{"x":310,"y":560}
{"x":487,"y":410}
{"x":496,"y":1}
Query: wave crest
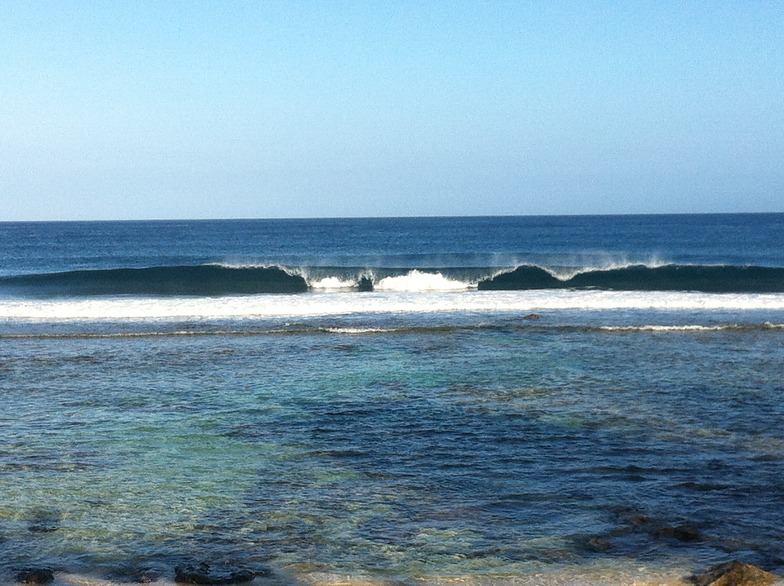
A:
{"x":201,"y":280}
{"x":218,"y":280}
{"x":703,"y":278}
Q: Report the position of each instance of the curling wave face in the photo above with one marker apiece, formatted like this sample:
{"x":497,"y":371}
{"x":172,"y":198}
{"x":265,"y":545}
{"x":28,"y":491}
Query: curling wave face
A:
{"x":217,"y":280}
{"x":163,"y":280}
{"x":248,"y":293}
{"x":705,"y":278}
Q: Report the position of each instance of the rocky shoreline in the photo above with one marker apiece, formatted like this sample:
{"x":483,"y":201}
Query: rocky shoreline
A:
{"x":631,"y":526}
{"x":732,"y":573}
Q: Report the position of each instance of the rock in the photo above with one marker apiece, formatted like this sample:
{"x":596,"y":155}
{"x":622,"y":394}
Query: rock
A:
{"x":145,"y":577}
{"x":35,"y":576}
{"x":734,"y":573}
{"x":599,"y":544}
{"x":42,"y":528}
{"x":639,"y":520}
{"x":43,"y":521}
{"x":532,"y":317}
{"x":679,"y":532}
{"x":204,"y":574}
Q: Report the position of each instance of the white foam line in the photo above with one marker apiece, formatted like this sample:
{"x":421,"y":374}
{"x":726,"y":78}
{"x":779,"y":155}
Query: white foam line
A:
{"x":660,"y":328}
{"x":359,"y":331}
{"x":332,"y":303}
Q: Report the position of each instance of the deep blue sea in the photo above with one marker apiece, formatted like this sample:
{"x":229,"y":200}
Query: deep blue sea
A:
{"x":527,"y":400}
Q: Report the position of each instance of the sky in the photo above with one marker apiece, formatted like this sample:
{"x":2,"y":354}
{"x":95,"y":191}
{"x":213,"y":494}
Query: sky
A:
{"x":161,"y":109}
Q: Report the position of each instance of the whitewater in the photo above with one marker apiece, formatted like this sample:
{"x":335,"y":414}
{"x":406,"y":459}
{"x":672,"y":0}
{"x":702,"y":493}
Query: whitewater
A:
{"x":399,"y":299}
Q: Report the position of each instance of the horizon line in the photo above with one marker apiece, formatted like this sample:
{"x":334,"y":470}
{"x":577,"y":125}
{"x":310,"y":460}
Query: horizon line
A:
{"x":390,"y":217}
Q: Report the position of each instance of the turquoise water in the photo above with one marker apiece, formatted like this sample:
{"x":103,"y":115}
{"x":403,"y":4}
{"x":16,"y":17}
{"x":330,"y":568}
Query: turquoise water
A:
{"x":462,"y":451}
{"x":426,"y":430}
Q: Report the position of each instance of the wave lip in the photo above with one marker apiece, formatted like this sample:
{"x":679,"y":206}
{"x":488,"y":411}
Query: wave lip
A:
{"x":221,"y":280}
{"x":199,"y":280}
{"x":671,"y":277}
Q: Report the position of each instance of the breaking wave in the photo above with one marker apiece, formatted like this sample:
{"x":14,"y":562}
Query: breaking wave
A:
{"x":220,"y":280}
{"x":200,"y":280}
{"x":703,"y":278}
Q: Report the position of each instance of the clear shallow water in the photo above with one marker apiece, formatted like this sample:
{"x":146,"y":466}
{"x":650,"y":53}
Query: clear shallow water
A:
{"x":410,"y":434}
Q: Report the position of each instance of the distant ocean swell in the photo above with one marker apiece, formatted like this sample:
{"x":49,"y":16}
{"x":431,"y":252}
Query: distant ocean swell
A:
{"x":217,"y":280}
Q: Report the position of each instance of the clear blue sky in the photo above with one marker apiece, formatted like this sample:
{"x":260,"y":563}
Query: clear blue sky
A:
{"x":228,"y":109}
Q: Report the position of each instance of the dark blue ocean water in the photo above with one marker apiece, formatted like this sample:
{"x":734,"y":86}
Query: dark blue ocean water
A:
{"x":739,"y":239}
{"x":388,"y":412}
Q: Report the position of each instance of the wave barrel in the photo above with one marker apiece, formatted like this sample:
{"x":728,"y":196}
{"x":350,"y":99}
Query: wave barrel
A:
{"x":203,"y":280}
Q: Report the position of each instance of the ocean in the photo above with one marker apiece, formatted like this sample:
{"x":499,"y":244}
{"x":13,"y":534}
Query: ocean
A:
{"x":488,"y":400}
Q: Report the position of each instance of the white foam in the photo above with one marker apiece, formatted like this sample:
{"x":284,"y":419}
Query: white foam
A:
{"x":421,"y":281}
{"x":333,"y":284}
{"x":670,"y":328}
{"x":333,"y":303}
{"x":359,"y":331}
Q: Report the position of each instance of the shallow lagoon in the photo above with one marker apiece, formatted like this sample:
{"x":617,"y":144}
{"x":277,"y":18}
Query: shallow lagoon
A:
{"x":422,"y":453}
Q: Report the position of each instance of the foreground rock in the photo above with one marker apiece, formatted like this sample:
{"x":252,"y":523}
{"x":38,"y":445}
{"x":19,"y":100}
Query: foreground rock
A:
{"x":43,"y":521}
{"x":735,"y":574}
{"x":679,"y":532}
{"x":35,"y":576}
{"x":205,"y":574}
